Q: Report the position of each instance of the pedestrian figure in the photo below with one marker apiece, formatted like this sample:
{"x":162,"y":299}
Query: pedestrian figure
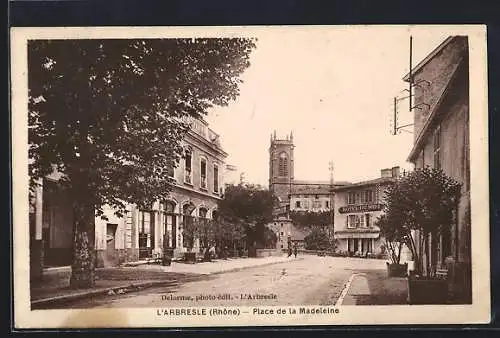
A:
{"x":295,"y":250}
{"x":289,"y":251}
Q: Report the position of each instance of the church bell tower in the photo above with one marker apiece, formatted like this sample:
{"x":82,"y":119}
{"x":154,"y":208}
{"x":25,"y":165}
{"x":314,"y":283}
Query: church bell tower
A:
{"x":281,"y":166}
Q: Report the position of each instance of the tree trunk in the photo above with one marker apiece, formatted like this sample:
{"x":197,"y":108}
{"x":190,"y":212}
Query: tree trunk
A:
{"x":83,"y":267}
{"x":415,"y":254}
{"x":399,"y":252}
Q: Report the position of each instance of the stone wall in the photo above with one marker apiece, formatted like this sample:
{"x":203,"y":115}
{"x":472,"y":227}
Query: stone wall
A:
{"x":437,"y":72}
{"x":269,"y":252}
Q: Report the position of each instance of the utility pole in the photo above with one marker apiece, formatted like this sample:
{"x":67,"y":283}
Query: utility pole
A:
{"x":331,"y":235}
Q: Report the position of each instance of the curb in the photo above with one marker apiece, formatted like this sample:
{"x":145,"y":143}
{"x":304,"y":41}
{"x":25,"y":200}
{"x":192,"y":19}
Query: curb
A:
{"x":41,"y":303}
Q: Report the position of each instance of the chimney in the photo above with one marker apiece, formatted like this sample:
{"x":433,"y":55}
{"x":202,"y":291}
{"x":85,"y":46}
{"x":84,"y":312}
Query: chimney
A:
{"x":385,"y":173}
{"x":395,"y":172}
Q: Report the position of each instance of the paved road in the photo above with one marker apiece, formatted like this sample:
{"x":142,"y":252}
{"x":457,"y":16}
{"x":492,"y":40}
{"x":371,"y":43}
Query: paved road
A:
{"x":307,"y":280}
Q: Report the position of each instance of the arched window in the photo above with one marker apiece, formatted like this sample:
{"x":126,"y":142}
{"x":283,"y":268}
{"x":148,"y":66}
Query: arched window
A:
{"x":283,"y":165}
{"x":203,"y":213}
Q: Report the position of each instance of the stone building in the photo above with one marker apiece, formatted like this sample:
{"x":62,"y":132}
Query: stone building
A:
{"x":293,"y":194}
{"x":441,"y":128}
{"x":357,"y":207}
{"x":288,"y":235}
{"x":199,"y":185}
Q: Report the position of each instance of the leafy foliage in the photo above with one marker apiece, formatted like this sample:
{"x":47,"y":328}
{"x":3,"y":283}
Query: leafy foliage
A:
{"x":317,"y":240}
{"x":248,"y":207}
{"x":310,"y":218}
{"x":109,"y":114}
{"x":422,"y":200}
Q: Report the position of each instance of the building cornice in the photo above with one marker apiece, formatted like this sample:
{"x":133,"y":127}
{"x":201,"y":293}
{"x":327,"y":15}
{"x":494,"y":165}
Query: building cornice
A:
{"x":206,"y":143}
{"x":429,"y":57}
{"x":183,"y":186}
{"x":381,"y":180}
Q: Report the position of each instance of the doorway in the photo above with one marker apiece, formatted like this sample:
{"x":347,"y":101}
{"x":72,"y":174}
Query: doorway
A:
{"x":111,"y":256}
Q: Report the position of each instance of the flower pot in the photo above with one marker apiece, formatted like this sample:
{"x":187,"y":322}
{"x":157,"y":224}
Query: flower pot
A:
{"x":396,"y":270}
{"x":425,"y":290}
{"x":168,"y":253}
{"x":190,"y":257}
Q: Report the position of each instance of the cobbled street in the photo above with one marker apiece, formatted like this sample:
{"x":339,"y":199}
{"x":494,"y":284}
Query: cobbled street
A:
{"x":305,"y":280}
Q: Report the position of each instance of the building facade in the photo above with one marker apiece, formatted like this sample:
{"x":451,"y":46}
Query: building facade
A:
{"x":441,"y":129}
{"x":293,"y":194}
{"x":357,"y":207}
{"x":139,"y":234}
{"x":288,"y":235}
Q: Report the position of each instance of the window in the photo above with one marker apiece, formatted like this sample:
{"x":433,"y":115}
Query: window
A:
{"x":306,"y":204}
{"x":188,"y":157}
{"x":146,"y":233}
{"x":360,"y":197}
{"x":297,"y":204}
{"x":202,"y":213}
{"x":283,"y":165}
{"x":351,"y":198}
{"x":216,"y":178}
{"x":351,"y":221}
{"x":367,"y":223}
{"x":357,"y":221}
{"x":171,"y":170}
{"x":281,"y":233}
{"x":327,"y":205}
{"x":368,"y":196}
{"x":169,"y":224}
{"x":361,"y":221}
{"x":203,"y":173}
{"x":316,"y":204}
{"x":437,"y":147}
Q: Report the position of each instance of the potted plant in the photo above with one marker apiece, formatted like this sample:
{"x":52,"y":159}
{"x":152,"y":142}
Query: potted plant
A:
{"x":394,"y":236}
{"x":422,"y":202}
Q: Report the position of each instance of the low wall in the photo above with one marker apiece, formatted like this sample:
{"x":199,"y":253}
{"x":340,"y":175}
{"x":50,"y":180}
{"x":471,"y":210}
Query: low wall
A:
{"x":268,"y":252}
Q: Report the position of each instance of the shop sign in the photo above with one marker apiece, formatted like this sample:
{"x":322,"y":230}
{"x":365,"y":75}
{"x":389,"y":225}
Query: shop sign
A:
{"x":360,"y":208}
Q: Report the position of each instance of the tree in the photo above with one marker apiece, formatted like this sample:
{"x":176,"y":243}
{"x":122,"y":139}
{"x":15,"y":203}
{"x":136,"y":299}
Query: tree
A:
{"x":317,"y":240}
{"x":394,"y":235}
{"x":109,"y":115}
{"x":423,"y":200}
{"x":310,"y":218}
{"x":249,"y":207}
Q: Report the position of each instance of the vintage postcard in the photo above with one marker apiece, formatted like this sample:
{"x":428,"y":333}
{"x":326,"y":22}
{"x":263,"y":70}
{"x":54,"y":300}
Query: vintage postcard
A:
{"x":250,"y":176}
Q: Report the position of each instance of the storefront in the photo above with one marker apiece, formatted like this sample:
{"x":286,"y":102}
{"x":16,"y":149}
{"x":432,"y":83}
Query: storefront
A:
{"x":357,"y":207}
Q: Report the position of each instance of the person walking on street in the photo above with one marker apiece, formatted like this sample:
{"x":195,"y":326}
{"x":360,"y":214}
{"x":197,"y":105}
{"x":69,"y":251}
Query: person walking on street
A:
{"x":289,"y":251}
{"x":295,"y":249}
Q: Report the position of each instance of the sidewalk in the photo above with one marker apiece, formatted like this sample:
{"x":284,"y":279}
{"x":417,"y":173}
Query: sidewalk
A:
{"x":115,"y":280}
{"x":373,"y":287}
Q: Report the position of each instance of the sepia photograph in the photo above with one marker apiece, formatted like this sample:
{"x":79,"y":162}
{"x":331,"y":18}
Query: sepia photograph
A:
{"x":250,"y":176}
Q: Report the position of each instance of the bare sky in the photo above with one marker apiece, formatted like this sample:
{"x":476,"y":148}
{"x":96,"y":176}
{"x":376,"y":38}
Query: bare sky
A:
{"x":334,"y":88}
